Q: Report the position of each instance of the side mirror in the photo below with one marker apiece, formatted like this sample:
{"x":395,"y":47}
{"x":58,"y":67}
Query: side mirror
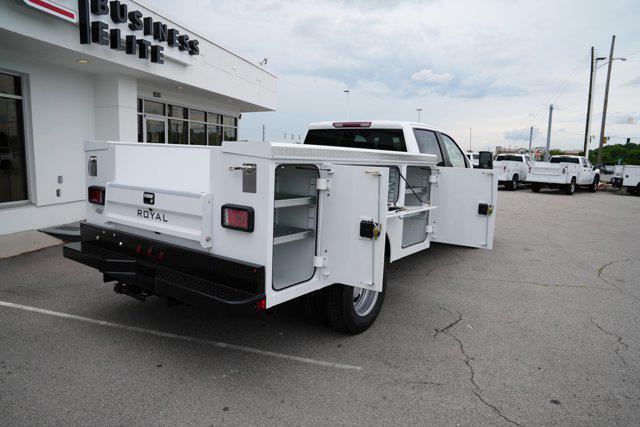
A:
{"x":485,"y":160}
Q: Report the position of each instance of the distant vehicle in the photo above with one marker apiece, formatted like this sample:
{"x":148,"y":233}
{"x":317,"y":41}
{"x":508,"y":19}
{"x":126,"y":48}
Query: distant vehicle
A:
{"x":627,"y":177}
{"x":473,"y":157}
{"x":512,"y":169}
{"x":564,"y":172}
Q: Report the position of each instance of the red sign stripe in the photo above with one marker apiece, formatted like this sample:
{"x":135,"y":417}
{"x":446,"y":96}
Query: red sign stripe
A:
{"x":54,"y":8}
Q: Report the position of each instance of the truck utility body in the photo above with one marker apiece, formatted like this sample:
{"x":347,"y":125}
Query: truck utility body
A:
{"x":564,"y":172}
{"x":264,"y":223}
{"x":627,"y":176}
{"x":512,"y":169}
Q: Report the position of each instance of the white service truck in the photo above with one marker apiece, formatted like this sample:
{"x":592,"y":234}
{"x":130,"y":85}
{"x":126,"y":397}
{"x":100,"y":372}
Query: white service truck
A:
{"x":264,"y":223}
{"x":512,"y":169}
{"x":627,"y":176}
{"x":564,"y":172}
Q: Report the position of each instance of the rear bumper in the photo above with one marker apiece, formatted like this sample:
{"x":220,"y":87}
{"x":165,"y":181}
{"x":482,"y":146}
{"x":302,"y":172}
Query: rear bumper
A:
{"x":547,"y":179}
{"x":167,"y":270}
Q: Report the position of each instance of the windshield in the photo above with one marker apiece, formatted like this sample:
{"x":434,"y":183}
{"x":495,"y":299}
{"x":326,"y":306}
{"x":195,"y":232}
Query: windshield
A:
{"x":562,"y":159}
{"x":372,"y":139}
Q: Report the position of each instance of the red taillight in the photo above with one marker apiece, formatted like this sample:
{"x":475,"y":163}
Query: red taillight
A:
{"x":160,"y":256}
{"x":96,"y":195}
{"x":261,"y":305}
{"x":138,"y":248}
{"x":149,"y":251}
{"x":238,"y":217}
{"x":351,"y":124}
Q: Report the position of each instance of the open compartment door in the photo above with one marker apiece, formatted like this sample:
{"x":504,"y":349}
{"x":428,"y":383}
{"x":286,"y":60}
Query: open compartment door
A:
{"x":466,"y":201}
{"x":353,"y":212}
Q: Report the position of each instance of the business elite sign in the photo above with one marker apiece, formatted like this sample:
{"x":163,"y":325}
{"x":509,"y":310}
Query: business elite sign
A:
{"x":98,"y":32}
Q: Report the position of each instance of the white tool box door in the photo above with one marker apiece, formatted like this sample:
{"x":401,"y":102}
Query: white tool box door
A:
{"x":466,"y":202}
{"x":355,"y":194}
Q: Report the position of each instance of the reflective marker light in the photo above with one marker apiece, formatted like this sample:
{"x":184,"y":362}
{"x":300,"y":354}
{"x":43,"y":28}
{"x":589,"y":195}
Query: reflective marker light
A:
{"x":351,"y":124}
{"x":238,"y":217}
{"x":96,"y":195}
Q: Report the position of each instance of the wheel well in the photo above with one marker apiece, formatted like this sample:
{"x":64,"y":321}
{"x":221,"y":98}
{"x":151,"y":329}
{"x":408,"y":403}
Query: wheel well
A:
{"x":387,"y":246}
{"x":573,"y":178}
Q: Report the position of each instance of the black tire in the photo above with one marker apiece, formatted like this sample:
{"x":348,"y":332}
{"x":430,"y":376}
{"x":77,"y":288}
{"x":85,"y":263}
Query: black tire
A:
{"x":513,"y":186}
{"x":594,"y":185}
{"x":570,"y":188}
{"x":340,"y":310}
{"x":535,"y":187}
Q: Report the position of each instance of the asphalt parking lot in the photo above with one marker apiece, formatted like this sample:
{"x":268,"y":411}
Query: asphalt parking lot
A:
{"x":543,"y":329}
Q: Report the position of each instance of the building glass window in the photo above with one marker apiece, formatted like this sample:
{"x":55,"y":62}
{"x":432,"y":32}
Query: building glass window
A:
{"x":230,"y":134}
{"x":215,"y":135}
{"x":13,"y":173}
{"x":155,"y":108}
{"x":178,"y":132}
{"x":197,"y":133}
{"x":178,"y":112}
{"x":175,"y":124}
{"x":198,"y":116}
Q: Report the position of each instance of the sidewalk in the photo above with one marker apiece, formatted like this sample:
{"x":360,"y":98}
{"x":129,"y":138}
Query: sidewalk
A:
{"x":26,"y":241}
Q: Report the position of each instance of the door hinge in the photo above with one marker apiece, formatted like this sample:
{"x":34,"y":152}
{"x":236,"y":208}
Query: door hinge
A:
{"x":431,"y":229}
{"x":323,"y":184}
{"x":319,"y":261}
{"x":433,"y":178}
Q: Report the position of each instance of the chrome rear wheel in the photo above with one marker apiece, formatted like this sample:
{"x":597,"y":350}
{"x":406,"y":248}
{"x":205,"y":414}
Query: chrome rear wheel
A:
{"x":364,"y":300}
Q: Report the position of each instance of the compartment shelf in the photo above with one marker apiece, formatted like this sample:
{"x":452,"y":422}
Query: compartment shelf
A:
{"x":288,"y":200}
{"x":286,"y":234}
{"x":418,"y":190}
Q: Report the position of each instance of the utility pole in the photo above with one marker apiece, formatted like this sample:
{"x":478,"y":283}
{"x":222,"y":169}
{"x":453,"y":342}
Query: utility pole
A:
{"x":592,"y":81}
{"x":469,"y":139}
{"x":546,"y":151}
{"x":419,"y":110}
{"x":530,"y":138}
{"x":263,"y":133}
{"x":606,"y":101}
{"x":346,"y":92}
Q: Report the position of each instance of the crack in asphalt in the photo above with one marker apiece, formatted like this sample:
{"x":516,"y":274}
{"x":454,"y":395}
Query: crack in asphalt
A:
{"x":618,"y":339}
{"x":605,"y":266}
{"x":432,"y":269}
{"x":525,"y":282}
{"x":477,"y":391}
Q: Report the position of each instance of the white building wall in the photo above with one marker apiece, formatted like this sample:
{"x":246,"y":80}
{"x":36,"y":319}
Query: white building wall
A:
{"x":57,"y":124}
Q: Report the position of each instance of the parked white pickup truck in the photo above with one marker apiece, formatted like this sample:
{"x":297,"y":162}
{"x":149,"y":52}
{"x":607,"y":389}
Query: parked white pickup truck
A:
{"x":264,"y":223}
{"x":565,"y":173}
{"x":512,"y":169}
{"x":628,"y":177}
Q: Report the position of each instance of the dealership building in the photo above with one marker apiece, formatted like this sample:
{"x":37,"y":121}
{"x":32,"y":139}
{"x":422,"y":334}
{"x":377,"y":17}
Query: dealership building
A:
{"x":79,"y":70}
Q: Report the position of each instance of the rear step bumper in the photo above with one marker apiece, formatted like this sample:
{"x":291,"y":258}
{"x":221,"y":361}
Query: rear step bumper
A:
{"x":183,"y":274}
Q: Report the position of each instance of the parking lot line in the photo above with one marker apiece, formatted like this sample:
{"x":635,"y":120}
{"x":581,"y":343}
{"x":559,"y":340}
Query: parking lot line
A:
{"x":218,"y":344}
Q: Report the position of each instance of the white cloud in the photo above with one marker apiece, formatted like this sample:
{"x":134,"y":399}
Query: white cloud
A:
{"x":427,"y":75}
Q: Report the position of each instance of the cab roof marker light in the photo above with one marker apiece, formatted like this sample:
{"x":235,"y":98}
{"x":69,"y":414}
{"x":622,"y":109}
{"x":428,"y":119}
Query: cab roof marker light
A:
{"x":351,"y":124}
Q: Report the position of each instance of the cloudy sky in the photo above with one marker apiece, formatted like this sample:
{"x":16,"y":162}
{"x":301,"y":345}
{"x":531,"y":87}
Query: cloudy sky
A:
{"x":493,"y":66}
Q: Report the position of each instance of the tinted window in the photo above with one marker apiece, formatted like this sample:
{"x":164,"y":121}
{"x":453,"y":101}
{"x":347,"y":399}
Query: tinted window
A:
{"x":152,"y":107}
{"x":561,"y":159}
{"x":13,"y":173}
{"x":455,"y":153}
{"x":372,"y":139}
{"x":511,"y":158}
{"x":428,"y":143}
